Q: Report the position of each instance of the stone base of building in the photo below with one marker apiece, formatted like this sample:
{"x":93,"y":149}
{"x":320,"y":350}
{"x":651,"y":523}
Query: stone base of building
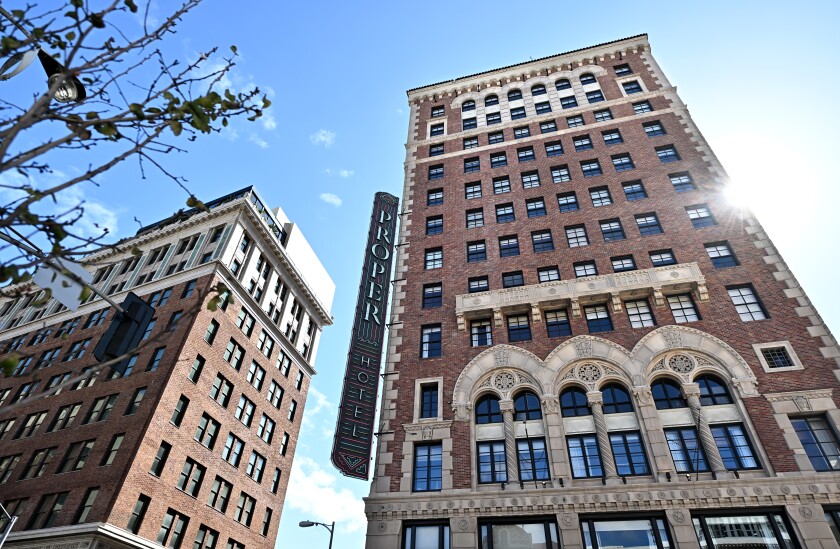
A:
{"x":95,"y":535}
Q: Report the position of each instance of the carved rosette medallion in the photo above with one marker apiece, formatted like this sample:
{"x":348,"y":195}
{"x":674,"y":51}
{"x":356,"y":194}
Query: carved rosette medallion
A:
{"x":589,"y":373}
{"x":681,"y":364}
{"x":504,"y":381}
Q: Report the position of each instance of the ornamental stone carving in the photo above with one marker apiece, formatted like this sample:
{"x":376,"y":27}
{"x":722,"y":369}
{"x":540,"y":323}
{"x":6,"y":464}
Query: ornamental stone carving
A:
{"x":681,"y":364}
{"x":583,"y":347}
{"x":802,"y":403}
{"x":673,"y":338}
{"x":551,"y":404}
{"x":589,"y":373}
{"x":501,"y":356}
{"x":644,"y":396}
{"x":504,"y":381}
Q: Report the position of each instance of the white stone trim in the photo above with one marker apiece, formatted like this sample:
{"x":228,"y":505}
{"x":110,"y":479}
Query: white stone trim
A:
{"x":797,"y":364}
{"x":418,"y":383}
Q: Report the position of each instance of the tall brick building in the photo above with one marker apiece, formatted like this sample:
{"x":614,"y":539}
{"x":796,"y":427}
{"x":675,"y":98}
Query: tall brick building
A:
{"x":192,"y":447}
{"x":589,"y":346}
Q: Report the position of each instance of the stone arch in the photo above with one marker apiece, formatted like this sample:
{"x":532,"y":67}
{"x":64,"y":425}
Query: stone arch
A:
{"x":564,"y":358}
{"x":715,"y":354}
{"x":529,"y":369}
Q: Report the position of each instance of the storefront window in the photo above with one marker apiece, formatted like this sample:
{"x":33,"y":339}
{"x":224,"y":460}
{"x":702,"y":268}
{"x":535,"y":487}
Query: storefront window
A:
{"x":755,"y":531}
{"x":426,"y":536}
{"x":522,"y":535}
{"x":628,"y":534}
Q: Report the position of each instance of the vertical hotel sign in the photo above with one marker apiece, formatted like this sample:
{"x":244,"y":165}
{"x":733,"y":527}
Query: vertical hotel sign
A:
{"x":354,"y":430}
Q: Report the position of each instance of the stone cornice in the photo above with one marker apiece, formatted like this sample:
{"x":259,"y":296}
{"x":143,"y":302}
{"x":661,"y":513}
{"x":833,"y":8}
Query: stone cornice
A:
{"x":793,"y":395}
{"x":545,"y":65}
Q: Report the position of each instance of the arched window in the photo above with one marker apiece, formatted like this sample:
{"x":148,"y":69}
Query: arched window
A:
{"x":667,"y":394}
{"x":587,"y":78}
{"x":487,"y":410}
{"x":563,"y":84}
{"x":712,"y":391}
{"x":468,"y":105}
{"x":513,"y":95}
{"x":491,"y":100}
{"x":573,"y":402}
{"x":527,"y":406}
{"x":616,"y":399}
{"x":537,"y":89}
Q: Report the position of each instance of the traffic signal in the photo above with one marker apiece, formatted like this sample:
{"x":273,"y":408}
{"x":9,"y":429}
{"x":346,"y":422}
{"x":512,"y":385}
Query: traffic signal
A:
{"x":125,"y":332}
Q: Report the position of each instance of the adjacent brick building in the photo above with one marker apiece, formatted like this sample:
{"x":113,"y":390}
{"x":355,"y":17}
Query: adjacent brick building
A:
{"x":192,"y":447}
{"x":589,"y":346}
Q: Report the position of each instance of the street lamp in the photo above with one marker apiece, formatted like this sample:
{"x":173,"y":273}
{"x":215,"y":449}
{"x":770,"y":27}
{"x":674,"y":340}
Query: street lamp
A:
{"x":308,"y":523}
{"x":70,"y":89}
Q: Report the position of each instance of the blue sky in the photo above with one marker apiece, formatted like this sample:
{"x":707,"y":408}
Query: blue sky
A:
{"x":758,"y":77}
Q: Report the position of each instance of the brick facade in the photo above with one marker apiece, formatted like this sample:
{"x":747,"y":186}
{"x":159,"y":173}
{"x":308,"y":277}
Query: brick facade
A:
{"x":719,"y":343}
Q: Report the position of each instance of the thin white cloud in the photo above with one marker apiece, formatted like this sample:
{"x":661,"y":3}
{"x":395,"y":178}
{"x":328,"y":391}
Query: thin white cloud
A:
{"x":323,"y":137}
{"x":330,"y":198}
{"x":258,"y":141}
{"x":312,"y":490}
{"x":345,"y":173}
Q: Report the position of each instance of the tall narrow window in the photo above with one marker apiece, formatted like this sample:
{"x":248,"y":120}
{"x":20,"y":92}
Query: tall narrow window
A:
{"x":428,"y":467}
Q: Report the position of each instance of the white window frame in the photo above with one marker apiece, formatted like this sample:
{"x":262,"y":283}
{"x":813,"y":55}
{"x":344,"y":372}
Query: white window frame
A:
{"x":797,"y":364}
{"x":418,"y":383}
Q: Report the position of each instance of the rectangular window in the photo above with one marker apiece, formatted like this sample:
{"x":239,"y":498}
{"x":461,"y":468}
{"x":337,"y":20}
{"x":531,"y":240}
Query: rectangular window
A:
{"x":434,"y":225}
{"x":686,"y":450}
{"x":245,"y":410}
{"x":275,"y":394}
{"x":777,"y":357}
{"x":438,"y":110}
{"x":721,"y":255}
{"x":682,"y":182}
{"x":622,"y":162}
{"x":542,"y":241}
{"x":292,"y":410}
{"x":481,"y":333}
{"x":172,"y":529}
{"x":634,"y":190}
{"x":595,"y":96}
{"x":568,"y":102}
{"x":434,"y":197}
{"x":590,"y":168}
{"x":155,"y":359}
{"x":472,"y":190}
{"x":623,"y":263}
{"x":603,"y":115}
{"x":532,"y":458}
{"x":612,"y":230}
{"x":432,"y":295}
{"x":111,"y":453}
{"x":632,"y":87}
{"x":207,"y":430}
{"x":576,"y":236}
{"x":501,"y":185}
{"x":191,"y":477}
{"x":428,"y":467}
{"x":642,"y":107}
{"x":491,"y":462}
{"x":661,"y":258}
{"x":275,"y":480}
{"x":652,"y":129}
{"x":205,"y":538}
{"x":735,"y":448}
{"x":560,"y":174}
{"x":557,"y":323}
{"x":754,"y":530}
{"x":612,"y":137}
{"x":515,"y":113}
{"x":525,"y":154}
{"x":63,"y":419}
{"x":639,"y":313}
{"x":629,"y":453}
{"x":498,"y":160}
{"x":508,"y":246}
{"x":472,"y":164}
{"x":38,"y":463}
{"x":535,"y":207}
{"x":221,"y":390}
{"x":212,"y":329}
{"x":255,"y":467}
{"x":436,"y":150}
{"x":475,"y":218}
{"x":101,"y":409}
{"x":746,"y":303}
{"x":496,"y":118}
{"x":548,"y":274}
{"x":434,"y":258}
{"x":520,"y":132}
{"x":138,"y":514}
{"x":87,"y":505}
{"x":429,"y":400}
{"x":667,"y":153}
{"x":567,"y":202}
{"x":470,"y":142}
{"x":598,"y":319}
{"x":435,"y":172}
{"x":234,"y":354}
{"x":700,"y":216}
{"x":476,"y":251}
{"x":519,"y":328}
{"x":623,"y":69}
{"x":584,"y":456}
{"x":255,"y":375}
{"x":196,"y":369}
{"x":232,"y":452}
{"x":582,"y":143}
{"x":430,"y":345}
{"x":543,"y":107}
{"x":819,"y":441}
{"x":648,"y":224}
{"x":76,"y":456}
{"x":48,"y":510}
{"x":682,"y":306}
{"x":574,"y":121}
{"x":436,"y":129}
{"x":478,"y":284}
{"x":530,"y":180}
{"x":553,"y":148}
{"x":495,"y":137}
{"x":469,"y":123}
{"x":513,"y":279}
{"x":548,"y":127}
{"x":160,"y":459}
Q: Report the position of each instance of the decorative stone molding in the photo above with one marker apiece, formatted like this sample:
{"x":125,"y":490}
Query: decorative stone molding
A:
{"x":798,"y":396}
{"x":613,"y":287}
